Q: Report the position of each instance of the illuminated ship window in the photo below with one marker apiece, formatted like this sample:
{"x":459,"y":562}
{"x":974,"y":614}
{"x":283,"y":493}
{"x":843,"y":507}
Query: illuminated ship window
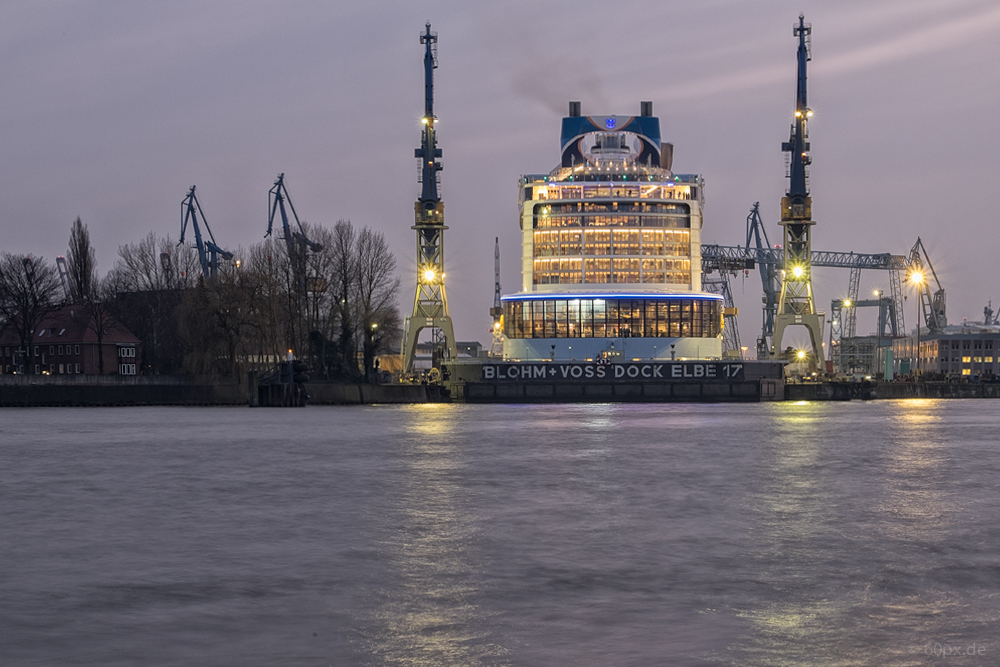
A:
{"x":608,"y":317}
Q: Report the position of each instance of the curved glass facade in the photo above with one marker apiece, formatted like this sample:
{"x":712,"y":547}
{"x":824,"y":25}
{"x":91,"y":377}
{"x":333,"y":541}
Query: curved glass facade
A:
{"x":612,"y":316}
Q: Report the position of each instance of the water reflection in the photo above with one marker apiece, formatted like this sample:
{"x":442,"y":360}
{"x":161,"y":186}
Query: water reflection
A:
{"x":843,"y":531}
{"x":792,"y":506}
{"x":427,"y":614}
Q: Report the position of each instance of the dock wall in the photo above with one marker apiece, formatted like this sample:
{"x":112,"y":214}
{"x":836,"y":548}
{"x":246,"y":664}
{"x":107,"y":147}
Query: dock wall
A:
{"x":32,"y":392}
{"x":624,"y":392}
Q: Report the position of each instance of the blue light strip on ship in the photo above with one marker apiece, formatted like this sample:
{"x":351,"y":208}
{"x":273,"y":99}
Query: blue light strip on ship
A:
{"x":539,"y":296}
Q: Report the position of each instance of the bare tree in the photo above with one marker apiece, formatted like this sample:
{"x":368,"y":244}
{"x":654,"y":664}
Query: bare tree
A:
{"x":100,"y":312}
{"x":344,"y":266}
{"x":377,"y":291}
{"x":81,"y":263}
{"x":29,"y":289}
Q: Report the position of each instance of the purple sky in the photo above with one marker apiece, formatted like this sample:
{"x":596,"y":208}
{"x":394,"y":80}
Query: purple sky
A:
{"x":112,"y":110}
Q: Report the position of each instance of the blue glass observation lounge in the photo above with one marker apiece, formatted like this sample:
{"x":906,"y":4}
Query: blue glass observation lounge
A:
{"x":611,"y":251}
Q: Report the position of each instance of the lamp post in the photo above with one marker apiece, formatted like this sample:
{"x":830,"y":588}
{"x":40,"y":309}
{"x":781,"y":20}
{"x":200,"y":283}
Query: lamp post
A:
{"x":917,"y":279}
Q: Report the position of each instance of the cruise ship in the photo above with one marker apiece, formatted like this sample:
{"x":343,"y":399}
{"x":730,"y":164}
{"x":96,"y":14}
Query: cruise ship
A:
{"x":611,"y":251}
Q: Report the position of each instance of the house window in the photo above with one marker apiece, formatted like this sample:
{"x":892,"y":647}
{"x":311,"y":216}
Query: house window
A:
{"x":966,"y":360}
{"x":60,"y":350}
{"x":78,"y":368}
{"x":126,"y":369}
{"x":36,"y":350}
{"x":38,"y":369}
{"x":52,"y":350}
{"x":76,"y":349}
{"x":61,"y":369}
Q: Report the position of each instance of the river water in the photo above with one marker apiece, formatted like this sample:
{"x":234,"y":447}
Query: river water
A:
{"x":766,"y":534}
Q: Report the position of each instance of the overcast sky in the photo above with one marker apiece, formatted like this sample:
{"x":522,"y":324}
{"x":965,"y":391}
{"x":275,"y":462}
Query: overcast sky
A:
{"x":111,"y":110}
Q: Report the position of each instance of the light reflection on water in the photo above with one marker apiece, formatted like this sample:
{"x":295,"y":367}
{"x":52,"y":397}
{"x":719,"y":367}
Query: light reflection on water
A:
{"x":426,"y":613}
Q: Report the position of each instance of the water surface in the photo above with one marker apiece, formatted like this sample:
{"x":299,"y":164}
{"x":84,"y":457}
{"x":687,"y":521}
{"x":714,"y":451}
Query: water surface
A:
{"x":771,"y":534}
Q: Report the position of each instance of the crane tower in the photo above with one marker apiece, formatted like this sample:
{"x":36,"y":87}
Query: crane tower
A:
{"x":430,"y":305}
{"x":796,"y":306}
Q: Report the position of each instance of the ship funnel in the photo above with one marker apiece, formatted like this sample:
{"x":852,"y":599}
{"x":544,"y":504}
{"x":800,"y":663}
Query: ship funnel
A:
{"x":647,"y":108}
{"x":574,"y":109}
{"x":666,"y":156}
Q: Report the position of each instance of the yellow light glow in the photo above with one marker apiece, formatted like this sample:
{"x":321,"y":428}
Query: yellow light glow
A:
{"x":917,"y":278}
{"x":798,"y":114}
{"x":423,"y":120}
{"x":797,"y":272}
{"x":809,"y":114}
{"x":428,"y":275}
{"x":847,"y":303}
{"x":801,"y":354}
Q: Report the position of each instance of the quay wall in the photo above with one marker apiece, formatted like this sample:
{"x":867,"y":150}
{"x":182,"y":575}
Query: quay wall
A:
{"x":26,"y":393}
{"x":65,"y":395}
{"x":843,"y":391}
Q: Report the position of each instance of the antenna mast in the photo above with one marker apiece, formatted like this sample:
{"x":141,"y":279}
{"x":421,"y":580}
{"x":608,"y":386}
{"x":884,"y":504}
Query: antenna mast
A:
{"x":496,"y":312}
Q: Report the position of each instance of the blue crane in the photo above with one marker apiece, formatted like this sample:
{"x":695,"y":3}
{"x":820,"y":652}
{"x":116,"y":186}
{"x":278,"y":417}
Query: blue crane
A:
{"x":277,"y":196}
{"x":208,"y":252}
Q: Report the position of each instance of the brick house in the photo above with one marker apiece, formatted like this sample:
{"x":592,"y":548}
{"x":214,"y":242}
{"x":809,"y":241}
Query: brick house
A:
{"x":65,"y":343}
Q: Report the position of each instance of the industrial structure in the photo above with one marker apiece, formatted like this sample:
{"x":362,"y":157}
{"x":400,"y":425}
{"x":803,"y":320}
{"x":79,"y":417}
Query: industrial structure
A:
{"x":430,"y":305}
{"x":295,"y":240}
{"x":796,"y":306}
{"x":208,"y":252}
{"x":496,"y":312}
{"x":611,"y":251}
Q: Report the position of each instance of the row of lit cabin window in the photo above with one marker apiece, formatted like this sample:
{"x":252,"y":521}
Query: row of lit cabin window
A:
{"x":637,"y":190}
{"x":608,"y":318}
{"x":601,"y":220}
{"x":611,"y":242}
{"x":570,"y":271}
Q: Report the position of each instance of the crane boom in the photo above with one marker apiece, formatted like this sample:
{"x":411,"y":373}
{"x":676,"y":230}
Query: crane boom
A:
{"x":208,"y":251}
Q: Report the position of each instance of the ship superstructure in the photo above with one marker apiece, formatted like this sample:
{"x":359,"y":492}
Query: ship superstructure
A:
{"x":611,"y":239}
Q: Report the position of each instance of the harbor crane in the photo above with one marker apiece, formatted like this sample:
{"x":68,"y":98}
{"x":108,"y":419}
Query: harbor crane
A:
{"x":796,"y":306}
{"x":430,"y":302}
{"x":276,"y":198}
{"x":932,"y":305}
{"x":208,"y":252}
{"x":63,"y":275}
